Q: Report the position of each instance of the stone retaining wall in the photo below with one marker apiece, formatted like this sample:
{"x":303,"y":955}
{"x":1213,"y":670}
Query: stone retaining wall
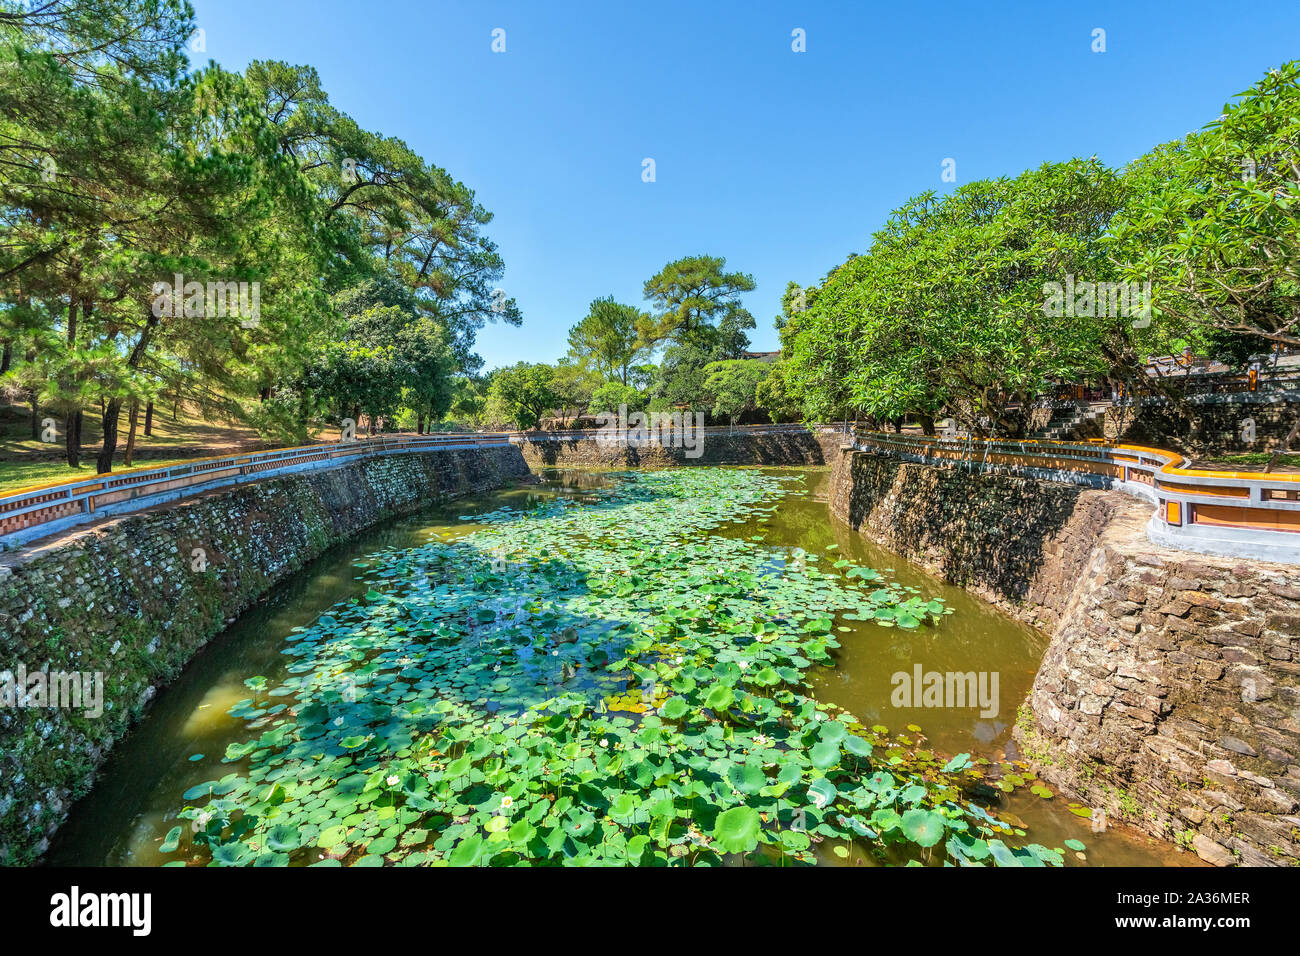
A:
{"x":1019,"y":543}
{"x":128,"y":599}
{"x":774,"y":449}
{"x":1169,"y":696}
{"x":1206,"y":428}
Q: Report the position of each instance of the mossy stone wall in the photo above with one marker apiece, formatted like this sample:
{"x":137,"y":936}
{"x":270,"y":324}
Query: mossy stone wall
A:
{"x":126,"y":599}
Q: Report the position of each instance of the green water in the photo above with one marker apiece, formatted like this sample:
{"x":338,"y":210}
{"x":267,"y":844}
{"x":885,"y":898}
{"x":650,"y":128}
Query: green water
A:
{"x":135,"y":801}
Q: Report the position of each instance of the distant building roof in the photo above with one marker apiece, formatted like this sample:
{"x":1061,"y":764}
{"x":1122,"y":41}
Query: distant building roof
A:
{"x":762,"y":356}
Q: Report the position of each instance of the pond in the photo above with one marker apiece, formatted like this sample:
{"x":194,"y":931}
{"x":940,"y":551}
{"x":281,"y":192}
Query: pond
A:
{"x":679,"y":666}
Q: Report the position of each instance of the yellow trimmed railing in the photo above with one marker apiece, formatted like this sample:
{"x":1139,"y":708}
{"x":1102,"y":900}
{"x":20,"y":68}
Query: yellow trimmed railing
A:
{"x":1232,"y":513}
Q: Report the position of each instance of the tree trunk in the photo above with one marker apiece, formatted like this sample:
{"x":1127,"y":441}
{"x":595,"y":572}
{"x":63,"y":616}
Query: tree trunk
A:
{"x":130,"y":435}
{"x":148,"y":419}
{"x":71,"y":448}
{"x":303,"y":418}
{"x":927,"y":424}
{"x":1286,"y":446}
{"x":6,"y":357}
{"x":419,"y":424}
{"x":104,"y":462}
{"x":36,"y":415}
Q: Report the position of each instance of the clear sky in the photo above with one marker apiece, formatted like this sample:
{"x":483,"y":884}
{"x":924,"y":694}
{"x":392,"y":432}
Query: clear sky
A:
{"x":782,"y":162}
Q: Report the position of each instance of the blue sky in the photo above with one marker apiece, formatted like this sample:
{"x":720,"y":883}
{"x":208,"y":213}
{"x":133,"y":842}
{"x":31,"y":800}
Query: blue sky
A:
{"x":782,"y":162}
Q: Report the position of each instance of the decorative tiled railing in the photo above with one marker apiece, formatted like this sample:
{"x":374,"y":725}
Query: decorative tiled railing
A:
{"x":1232,"y":513}
{"x":652,"y":433}
{"x":36,"y":512}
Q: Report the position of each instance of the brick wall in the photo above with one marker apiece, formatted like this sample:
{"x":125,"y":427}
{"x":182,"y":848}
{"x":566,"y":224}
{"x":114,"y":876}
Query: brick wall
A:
{"x":1019,"y":543}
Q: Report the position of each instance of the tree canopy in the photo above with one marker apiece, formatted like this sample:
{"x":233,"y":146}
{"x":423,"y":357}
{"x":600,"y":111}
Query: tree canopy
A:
{"x":612,"y":338}
{"x":975,"y":303}
{"x":1216,"y":217}
{"x":214,"y":234}
{"x":699,"y":302}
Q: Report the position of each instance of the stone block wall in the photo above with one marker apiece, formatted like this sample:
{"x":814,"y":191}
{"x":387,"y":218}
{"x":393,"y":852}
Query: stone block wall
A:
{"x":775,"y":449}
{"x":1019,"y":543}
{"x":1205,"y":428}
{"x":126,"y":599}
{"x":1169,"y":695}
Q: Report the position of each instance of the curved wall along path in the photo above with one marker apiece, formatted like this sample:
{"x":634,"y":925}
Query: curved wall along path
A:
{"x":135,"y":597}
{"x":1169,"y":696}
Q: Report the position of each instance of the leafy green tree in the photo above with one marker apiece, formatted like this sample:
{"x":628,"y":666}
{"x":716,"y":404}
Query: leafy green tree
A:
{"x":120,"y":170}
{"x":775,"y":395}
{"x":427,"y":368}
{"x":699,"y":303}
{"x":948,"y":309}
{"x":819,"y":352}
{"x":573,"y":383}
{"x":1235,"y":349}
{"x":611,"y":338}
{"x":1214,"y":220}
{"x":83,"y":85}
{"x":385,"y":208}
{"x":794,"y":300}
{"x":680,"y":377}
{"x":732,"y":386}
{"x":608,"y":398}
{"x":522,"y":393}
{"x":641,"y":377}
{"x":144,"y":173}
{"x":469,"y":400}
{"x":391,"y":356}
{"x":361,"y":378}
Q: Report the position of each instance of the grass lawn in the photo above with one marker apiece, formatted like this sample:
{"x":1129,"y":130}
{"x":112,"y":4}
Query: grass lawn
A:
{"x":189,"y":429}
{"x":1260,"y":458}
{"x":24,"y":462}
{"x":16,"y":475}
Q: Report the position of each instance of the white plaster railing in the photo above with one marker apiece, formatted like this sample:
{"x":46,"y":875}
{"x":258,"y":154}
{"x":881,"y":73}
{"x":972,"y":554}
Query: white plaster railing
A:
{"x":36,"y":512}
